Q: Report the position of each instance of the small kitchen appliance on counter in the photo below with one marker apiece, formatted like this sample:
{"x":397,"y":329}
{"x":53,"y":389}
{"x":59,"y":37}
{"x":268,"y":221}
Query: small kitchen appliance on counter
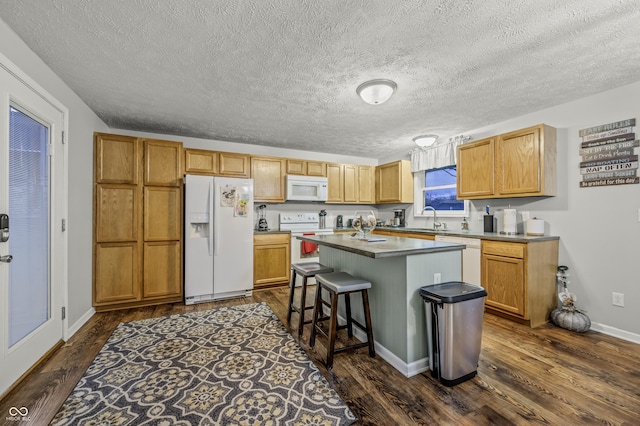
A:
{"x":322,"y":217}
{"x":398,"y":218}
{"x":262,"y":218}
{"x":339,"y":223}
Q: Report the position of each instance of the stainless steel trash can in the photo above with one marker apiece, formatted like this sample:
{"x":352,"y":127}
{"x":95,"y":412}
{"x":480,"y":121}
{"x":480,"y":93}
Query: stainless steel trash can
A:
{"x":454,"y":312}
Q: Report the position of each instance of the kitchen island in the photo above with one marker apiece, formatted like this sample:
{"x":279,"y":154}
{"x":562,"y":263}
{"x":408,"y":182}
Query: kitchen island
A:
{"x":397,"y":268}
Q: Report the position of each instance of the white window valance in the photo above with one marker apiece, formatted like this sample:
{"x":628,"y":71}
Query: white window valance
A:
{"x":434,"y":157}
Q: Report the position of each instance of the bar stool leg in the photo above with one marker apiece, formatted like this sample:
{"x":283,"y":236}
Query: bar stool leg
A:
{"x":347,"y":305}
{"x":333,"y":328}
{"x":317,"y":311}
{"x":303,"y":305}
{"x":367,"y":319}
{"x":292,"y":287}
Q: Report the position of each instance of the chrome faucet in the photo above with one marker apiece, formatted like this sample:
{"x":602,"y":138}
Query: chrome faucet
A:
{"x":436,"y":224}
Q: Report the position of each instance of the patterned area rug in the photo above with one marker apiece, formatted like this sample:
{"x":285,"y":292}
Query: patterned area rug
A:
{"x":227,"y":366}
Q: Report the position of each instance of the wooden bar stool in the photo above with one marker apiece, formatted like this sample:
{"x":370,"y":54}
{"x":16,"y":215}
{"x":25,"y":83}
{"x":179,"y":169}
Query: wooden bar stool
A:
{"x":337,"y":283}
{"x":306,"y":270}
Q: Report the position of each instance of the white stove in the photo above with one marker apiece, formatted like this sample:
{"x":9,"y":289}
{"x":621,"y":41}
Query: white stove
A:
{"x":303,"y":224}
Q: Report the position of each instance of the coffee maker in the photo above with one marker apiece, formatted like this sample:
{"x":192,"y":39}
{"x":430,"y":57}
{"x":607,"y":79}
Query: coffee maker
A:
{"x":339,"y":221}
{"x":398,"y":218}
{"x":262,"y":218}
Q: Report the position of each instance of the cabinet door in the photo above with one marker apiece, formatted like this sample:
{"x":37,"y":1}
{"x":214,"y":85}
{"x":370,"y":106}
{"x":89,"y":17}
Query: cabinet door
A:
{"x":271,"y":264}
{"x":296,"y":167}
{"x":389,"y":183}
{"x":162,"y":163}
{"x":116,"y":273}
{"x":366,"y":184}
{"x":334,"y":183}
{"x":518,"y":162}
{"x":116,"y":159}
{"x":162,"y":213}
{"x":316,"y":169}
{"x":475,"y":169}
{"x":233,"y":164}
{"x":162,"y":269}
{"x":268,"y":178}
{"x":503,"y":278}
{"x":200,"y":161}
{"x":350,"y":178}
{"x":116,"y":213}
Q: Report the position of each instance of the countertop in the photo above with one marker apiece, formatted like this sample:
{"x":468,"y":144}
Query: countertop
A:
{"x":390,"y":247}
{"x":517,"y":238}
{"x":270,"y":231}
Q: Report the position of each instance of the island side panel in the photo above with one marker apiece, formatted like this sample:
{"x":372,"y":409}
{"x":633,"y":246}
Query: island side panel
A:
{"x":420,"y":272}
{"x":387,"y":297}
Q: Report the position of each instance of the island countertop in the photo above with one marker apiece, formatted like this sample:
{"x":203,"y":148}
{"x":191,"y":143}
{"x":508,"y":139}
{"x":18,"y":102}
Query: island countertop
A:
{"x":389,"y":247}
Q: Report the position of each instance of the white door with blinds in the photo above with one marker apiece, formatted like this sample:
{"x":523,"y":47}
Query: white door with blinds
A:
{"x":32,"y":204}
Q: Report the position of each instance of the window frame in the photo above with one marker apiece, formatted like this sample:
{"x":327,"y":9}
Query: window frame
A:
{"x":419,"y":187}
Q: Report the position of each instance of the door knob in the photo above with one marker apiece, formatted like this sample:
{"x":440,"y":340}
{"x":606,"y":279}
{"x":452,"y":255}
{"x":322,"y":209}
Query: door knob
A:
{"x":7,"y":259}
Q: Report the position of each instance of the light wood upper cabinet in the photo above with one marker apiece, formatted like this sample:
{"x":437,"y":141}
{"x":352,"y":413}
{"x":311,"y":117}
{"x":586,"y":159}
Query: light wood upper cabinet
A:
{"x":162,"y":163}
{"x":116,"y":159}
{"x":233,"y":164}
{"x":200,"y":161}
{"x":394,"y":182}
{"x":366,"y":184}
{"x":335,"y":182}
{"x":475,"y":169}
{"x":526,"y":162}
{"x":315,"y":168}
{"x":297,"y":167}
{"x":515,"y":164}
{"x":268,"y":179}
{"x":359,"y":184}
{"x":350,"y":190}
{"x":306,"y":168}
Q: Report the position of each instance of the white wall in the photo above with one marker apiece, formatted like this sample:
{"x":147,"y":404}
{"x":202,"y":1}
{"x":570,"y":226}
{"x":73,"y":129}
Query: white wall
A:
{"x":82,"y":123}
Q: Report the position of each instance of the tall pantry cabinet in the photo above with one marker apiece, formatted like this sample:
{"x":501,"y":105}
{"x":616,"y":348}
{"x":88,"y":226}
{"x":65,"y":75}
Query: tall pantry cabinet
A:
{"x":137,"y":222}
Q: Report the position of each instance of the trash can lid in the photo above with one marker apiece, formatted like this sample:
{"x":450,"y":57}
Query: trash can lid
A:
{"x":453,"y":291}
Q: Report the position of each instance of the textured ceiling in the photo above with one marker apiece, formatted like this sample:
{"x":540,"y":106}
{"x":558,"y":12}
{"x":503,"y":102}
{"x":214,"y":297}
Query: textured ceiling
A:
{"x":284,"y":72}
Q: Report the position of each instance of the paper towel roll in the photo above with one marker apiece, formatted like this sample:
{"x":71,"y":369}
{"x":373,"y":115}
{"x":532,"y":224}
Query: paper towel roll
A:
{"x":535,"y":227}
{"x":509,"y":225}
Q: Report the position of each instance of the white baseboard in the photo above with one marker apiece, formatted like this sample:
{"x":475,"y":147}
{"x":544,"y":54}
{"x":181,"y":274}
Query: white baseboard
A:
{"x":408,"y":370}
{"x":615,"y":332}
{"x":78,"y":324}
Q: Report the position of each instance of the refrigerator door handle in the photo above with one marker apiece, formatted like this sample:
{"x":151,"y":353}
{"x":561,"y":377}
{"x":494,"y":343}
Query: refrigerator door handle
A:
{"x":211,"y":194}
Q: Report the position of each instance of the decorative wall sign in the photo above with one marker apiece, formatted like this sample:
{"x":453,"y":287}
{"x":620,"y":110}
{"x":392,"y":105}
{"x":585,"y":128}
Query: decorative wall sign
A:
{"x":608,"y":154}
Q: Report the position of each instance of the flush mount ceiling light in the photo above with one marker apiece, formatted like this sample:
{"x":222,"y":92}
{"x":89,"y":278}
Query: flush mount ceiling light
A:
{"x":376,"y":92}
{"x":425,"y":140}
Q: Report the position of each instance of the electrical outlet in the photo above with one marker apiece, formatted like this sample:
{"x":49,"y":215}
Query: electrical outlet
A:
{"x":617,"y":299}
{"x":437,"y":278}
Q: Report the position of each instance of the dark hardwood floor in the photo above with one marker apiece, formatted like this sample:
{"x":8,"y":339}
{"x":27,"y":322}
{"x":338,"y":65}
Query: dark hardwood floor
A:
{"x":545,"y":375}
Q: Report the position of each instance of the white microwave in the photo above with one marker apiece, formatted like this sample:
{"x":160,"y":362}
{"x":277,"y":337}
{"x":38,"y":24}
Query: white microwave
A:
{"x":306,"y":188}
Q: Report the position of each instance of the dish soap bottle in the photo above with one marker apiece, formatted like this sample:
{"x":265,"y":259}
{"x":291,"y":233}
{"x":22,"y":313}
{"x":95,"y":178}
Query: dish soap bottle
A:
{"x":464,"y":225}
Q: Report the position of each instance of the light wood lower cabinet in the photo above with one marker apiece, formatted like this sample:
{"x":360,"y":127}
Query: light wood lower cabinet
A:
{"x":271,"y":260}
{"x":117,"y":273}
{"x":163,"y":270}
{"x":520,"y":279}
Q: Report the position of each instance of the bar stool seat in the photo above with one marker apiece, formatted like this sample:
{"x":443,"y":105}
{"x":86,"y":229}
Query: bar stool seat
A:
{"x":341,"y":283}
{"x":306,"y":270}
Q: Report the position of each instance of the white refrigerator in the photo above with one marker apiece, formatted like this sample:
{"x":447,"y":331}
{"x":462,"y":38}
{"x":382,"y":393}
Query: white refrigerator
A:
{"x":218,"y":238}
